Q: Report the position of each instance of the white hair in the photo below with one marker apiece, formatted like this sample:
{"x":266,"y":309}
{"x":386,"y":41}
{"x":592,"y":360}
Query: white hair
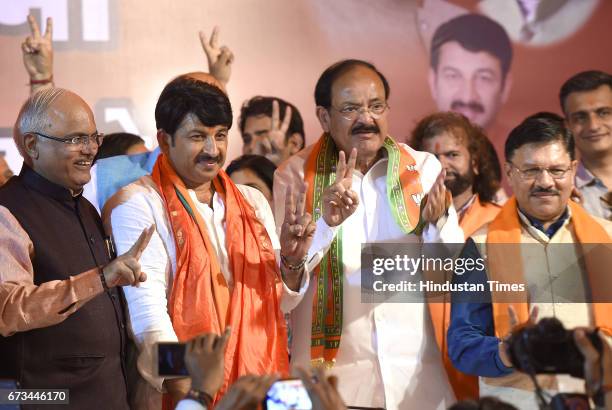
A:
{"x":33,"y":116}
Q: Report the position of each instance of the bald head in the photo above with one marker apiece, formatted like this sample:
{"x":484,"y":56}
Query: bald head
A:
{"x":46,"y":134}
{"x":41,"y":110}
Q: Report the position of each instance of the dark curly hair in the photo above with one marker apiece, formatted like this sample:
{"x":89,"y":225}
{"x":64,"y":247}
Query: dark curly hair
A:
{"x":487,"y":181}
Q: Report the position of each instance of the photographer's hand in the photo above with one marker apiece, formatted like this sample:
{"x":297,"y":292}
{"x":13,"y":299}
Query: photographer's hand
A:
{"x":597,"y":367}
{"x":514,"y":322}
{"x":247,"y":393}
{"x":323,"y":390}
{"x":204,"y":360}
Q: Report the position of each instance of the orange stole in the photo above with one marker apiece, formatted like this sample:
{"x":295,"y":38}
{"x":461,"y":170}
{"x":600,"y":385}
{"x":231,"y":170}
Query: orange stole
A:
{"x":506,"y":266}
{"x":464,"y":385}
{"x":478,"y":215}
{"x":200,"y":301}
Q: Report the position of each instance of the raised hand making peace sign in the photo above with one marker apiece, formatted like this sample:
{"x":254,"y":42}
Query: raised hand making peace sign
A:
{"x":38,"y":51}
{"x":339,"y":199}
{"x":125,"y":269}
{"x":296,"y":236}
{"x":504,"y":355}
{"x":271,"y":144}
{"x":220,"y":59}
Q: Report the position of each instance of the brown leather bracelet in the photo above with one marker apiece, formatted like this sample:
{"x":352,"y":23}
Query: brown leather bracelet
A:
{"x":294,"y":267}
{"x":103,"y":279}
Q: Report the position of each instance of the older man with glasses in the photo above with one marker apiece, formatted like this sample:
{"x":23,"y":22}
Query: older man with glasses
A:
{"x":61,"y":310}
{"x":543,"y":252}
{"x":375,"y":188}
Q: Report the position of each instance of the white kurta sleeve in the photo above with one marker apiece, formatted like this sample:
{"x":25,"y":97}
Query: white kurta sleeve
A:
{"x":147,"y":304}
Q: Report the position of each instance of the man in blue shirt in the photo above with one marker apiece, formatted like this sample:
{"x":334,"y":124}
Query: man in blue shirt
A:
{"x":540,"y":166}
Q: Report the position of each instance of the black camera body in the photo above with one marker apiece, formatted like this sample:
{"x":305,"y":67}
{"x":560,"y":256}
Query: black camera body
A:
{"x":548,"y":348}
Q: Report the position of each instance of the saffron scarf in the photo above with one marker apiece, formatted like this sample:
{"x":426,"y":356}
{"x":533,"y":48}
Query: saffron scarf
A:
{"x":505,"y":265}
{"x":477,"y":215}
{"x":201,"y":302}
{"x":404,"y":195}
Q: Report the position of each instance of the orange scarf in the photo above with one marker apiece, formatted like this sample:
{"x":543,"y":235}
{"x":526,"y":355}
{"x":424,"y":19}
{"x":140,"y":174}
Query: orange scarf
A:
{"x":503,"y":263}
{"x":201,"y":302}
{"x":477,"y":215}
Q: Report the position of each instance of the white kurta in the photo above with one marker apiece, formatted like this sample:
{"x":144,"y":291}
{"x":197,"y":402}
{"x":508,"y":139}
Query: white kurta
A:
{"x":388,"y":355}
{"x":147,"y":304}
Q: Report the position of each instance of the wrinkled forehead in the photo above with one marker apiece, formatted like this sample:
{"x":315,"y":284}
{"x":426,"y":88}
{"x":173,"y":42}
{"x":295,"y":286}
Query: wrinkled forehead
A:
{"x":358,"y":84}
{"x":70,"y":114}
{"x":542,"y":154}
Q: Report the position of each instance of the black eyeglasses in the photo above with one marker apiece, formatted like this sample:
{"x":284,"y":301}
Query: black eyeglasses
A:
{"x":75,"y":142}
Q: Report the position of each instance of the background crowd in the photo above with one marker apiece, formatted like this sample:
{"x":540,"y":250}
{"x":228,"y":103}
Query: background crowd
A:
{"x":258,"y":266}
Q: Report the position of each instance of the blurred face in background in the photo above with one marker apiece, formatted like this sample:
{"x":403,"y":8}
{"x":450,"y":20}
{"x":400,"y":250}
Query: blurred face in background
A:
{"x":589,"y":117}
{"x":470,"y":83}
{"x":257,"y":132}
{"x":453,"y":154}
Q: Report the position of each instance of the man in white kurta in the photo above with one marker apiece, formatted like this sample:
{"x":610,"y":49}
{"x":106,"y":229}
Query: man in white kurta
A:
{"x":149,"y":317}
{"x":188,"y":189}
{"x":388,"y":356}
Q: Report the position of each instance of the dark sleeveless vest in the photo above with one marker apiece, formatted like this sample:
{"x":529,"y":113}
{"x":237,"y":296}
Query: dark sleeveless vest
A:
{"x":86,"y":352}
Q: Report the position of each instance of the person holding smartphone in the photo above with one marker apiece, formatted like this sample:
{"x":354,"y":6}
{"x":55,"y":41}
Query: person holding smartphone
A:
{"x":204,"y":359}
